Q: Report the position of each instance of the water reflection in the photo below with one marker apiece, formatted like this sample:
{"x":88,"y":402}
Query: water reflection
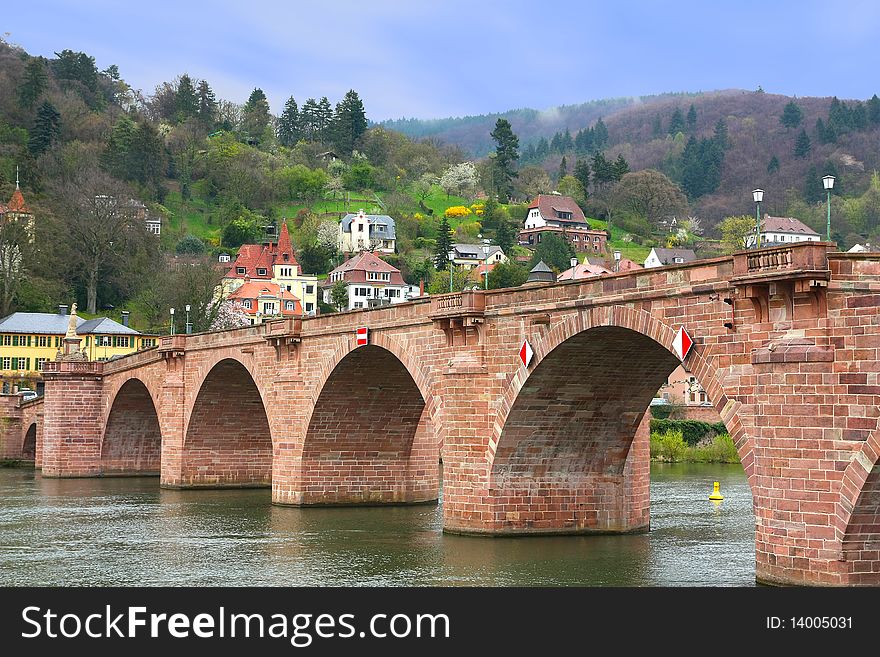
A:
{"x":130,"y":532}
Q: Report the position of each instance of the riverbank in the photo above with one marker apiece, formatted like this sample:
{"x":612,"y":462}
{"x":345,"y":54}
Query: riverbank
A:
{"x":671,"y":447}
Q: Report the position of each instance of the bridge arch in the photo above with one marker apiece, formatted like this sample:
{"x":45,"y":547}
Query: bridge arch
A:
{"x":858,"y":513}
{"x":573,"y":429}
{"x":228,"y":441}
{"x":132,"y":440}
{"x":29,"y":444}
{"x":372,"y":434}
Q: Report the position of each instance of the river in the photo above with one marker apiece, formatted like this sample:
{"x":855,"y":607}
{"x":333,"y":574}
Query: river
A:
{"x":129,"y":532}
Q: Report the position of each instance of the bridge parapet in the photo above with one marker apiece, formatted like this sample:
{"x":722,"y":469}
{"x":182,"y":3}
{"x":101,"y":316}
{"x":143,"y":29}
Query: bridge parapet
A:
{"x":73,"y":367}
{"x":171,"y":346}
{"x":459,"y":315}
{"x":804,"y":259}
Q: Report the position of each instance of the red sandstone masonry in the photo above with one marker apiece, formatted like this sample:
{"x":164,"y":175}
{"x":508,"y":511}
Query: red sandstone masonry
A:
{"x":559,"y":447}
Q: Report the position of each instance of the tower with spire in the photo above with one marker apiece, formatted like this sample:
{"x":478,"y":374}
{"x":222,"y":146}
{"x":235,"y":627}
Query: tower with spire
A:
{"x":17,"y":209}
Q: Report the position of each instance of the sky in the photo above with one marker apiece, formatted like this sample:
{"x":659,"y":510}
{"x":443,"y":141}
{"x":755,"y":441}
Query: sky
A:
{"x":460,"y":57}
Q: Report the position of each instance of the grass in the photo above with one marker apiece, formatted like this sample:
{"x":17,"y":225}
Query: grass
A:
{"x":671,"y":447}
{"x":190,"y":217}
{"x":635,"y":252}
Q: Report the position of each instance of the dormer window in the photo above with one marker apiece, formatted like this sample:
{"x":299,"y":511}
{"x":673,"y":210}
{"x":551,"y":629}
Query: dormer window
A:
{"x":563,"y":215}
{"x":240,"y":270}
{"x":261,"y":271}
{"x":381,"y":229}
{"x":678,"y":260}
{"x":285,"y":257}
{"x":289,"y":305}
{"x":246,"y":304}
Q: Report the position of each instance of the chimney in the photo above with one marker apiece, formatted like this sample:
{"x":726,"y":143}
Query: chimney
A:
{"x":62,"y":309}
{"x":125,"y":315}
{"x":421,"y":287}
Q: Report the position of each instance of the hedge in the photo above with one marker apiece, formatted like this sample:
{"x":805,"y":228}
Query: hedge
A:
{"x":692,"y":431}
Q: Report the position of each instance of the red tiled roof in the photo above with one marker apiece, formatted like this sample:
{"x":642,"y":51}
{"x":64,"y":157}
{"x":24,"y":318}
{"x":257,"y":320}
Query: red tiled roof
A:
{"x":548,"y":204}
{"x":584,"y":270}
{"x":477,"y":273}
{"x":255,"y":290}
{"x":263,"y":256}
{"x":785,"y":225}
{"x":16,"y":203}
{"x":284,"y":250}
{"x":354,"y":270}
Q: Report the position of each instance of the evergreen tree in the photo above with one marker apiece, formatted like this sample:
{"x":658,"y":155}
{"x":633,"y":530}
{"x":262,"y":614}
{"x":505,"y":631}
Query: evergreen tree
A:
{"x":791,"y":115}
{"x":146,"y":155}
{"x":47,"y":128}
{"x":34,"y":82}
{"x":620,"y":167}
{"x":773,"y":165}
{"x":802,"y":146}
{"x":582,"y":173}
{"x":676,"y":122}
{"x":721,"y":137}
{"x":874,"y":110}
{"x":555,"y":250}
{"x":556,"y":143}
{"x":563,"y":168}
{"x":115,"y":157}
{"x":187,"y":100}
{"x":567,"y":142}
{"x":542,"y":149}
{"x":603,"y":170}
{"x":657,"y":126}
{"x":814,"y":190}
{"x":600,"y":135}
{"x":289,"y":124}
{"x":692,"y":119}
{"x":507,"y":274}
{"x":207,"y":105}
{"x":444,"y":244}
{"x":255,"y":116}
{"x":349,"y":122}
{"x":323,"y":120}
{"x":506,"y":155}
{"x":701,"y":166}
{"x":506,"y":234}
{"x":309,"y":119}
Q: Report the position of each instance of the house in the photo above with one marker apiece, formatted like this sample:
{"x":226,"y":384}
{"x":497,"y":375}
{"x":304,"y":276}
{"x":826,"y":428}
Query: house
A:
{"x":660,"y":257}
{"x":472,"y":255}
{"x":273,"y":263}
{"x":369,"y":281}
{"x":581,"y":270}
{"x":135,"y":209}
{"x":366,"y":232}
{"x":263,"y":299}
{"x":624,"y":264}
{"x":783,"y":230}
{"x":17,"y":210}
{"x":27,"y":340}
{"x":554,"y":213}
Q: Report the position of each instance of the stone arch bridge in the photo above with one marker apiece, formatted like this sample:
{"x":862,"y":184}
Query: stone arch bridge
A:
{"x":786,"y":344}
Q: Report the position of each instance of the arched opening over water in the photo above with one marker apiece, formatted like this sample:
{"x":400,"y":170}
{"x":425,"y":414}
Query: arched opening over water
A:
{"x":573,"y":454}
{"x":29,"y":446}
{"x":228,"y":442}
{"x":370,"y":439}
{"x":132,"y":442}
{"x":861,"y":541}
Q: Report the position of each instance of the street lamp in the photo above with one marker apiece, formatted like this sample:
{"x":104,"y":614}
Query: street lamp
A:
{"x":486,"y":277}
{"x":189,"y":327}
{"x":451,"y":256}
{"x":758,"y":195}
{"x":828,"y":182}
{"x":616,"y":260}
{"x":172,"y":321}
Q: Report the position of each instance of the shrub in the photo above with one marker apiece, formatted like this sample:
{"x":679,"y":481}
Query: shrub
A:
{"x":721,"y":450}
{"x":457,"y":211}
{"x":692,"y":431}
{"x":190,"y":245}
{"x":668,"y":446}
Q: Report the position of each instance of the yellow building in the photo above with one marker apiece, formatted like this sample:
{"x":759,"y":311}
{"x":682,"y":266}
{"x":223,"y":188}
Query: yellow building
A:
{"x":27,"y":340}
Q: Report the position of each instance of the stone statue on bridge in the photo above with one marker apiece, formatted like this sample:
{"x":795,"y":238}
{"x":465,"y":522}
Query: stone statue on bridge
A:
{"x":71,"y":340}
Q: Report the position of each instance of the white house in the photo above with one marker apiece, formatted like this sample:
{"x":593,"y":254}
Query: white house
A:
{"x":659,"y":257}
{"x":473,"y":255}
{"x":783,"y":230}
{"x":369,"y":281}
{"x":366,"y":232}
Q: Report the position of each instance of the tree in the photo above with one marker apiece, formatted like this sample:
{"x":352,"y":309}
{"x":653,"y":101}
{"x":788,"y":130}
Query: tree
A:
{"x":349,"y":122}
{"x":47,"y":128}
{"x":207,"y":105}
{"x":874,"y":109}
{"x":506,"y":155}
{"x":721,"y":135}
{"x":16,"y":249}
{"x":555,"y":250}
{"x":324,"y":120}
{"x":187,"y":100}
{"x":461,"y":178}
{"x":773,"y":165}
{"x":145,"y":162}
{"x":289,"y":131}
{"x":255,"y":116}
{"x":649,"y":194}
{"x":190,"y":245}
{"x":802,"y":146}
{"x":582,"y":173}
{"x":230,"y":315}
{"x":506,"y":234}
{"x":571,"y":186}
{"x":339,"y":295}
{"x":603,"y":171}
{"x":692,"y":119}
{"x":600,"y":135}
{"x":507,"y":274}
{"x":814,"y":190}
{"x":657,"y":126}
{"x":563,"y":168}
{"x":676,"y":122}
{"x":792,"y":115}
{"x":33,"y":83}
{"x":533,"y":181}
{"x":735,"y":231}
{"x":620,"y":167}
{"x":443,"y":246}
{"x":243,"y":230}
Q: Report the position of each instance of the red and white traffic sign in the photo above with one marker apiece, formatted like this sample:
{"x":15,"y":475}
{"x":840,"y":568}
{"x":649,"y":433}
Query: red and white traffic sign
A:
{"x":363,"y":336}
{"x":682,"y":343}
{"x":525,"y":353}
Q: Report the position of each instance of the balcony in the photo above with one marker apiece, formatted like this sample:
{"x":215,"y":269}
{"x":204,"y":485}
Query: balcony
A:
{"x":806,"y":261}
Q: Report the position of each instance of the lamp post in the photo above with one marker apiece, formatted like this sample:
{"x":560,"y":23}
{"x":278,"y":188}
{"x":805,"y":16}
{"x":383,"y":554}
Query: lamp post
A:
{"x":189,"y":327}
{"x":486,"y":277}
{"x":758,"y":195}
{"x":172,"y":321}
{"x":828,"y":182}
{"x":616,"y":260}
{"x":451,"y":256}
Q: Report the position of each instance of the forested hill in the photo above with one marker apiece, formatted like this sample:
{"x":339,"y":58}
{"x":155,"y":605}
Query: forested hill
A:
{"x":472,"y":132}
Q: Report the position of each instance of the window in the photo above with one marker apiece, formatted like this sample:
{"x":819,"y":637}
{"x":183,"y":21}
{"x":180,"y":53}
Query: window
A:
{"x":378,"y":276}
{"x":224,"y":257}
{"x":268,"y":308}
{"x":246,"y":304}
{"x":121,"y":341}
{"x":289,"y":305}
{"x":381,"y":228}
{"x":310,"y":307}
{"x":147,"y":342}
{"x":57,"y":341}
{"x":678,"y":259}
{"x":360,"y":228}
{"x":563,"y":215}
{"x":310,"y":289}
{"x":7,"y":340}
{"x":240,"y":270}
{"x":40,"y":362}
{"x":261,"y":271}
{"x":358,"y":304}
{"x":595,"y":239}
{"x":7,"y":363}
{"x":43,"y":341}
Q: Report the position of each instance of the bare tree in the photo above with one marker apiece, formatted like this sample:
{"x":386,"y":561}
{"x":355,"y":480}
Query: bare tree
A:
{"x":649,"y":194}
{"x":15,"y":248}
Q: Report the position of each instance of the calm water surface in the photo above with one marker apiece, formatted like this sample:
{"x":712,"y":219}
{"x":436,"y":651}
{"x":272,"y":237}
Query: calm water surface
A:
{"x":87,"y":532}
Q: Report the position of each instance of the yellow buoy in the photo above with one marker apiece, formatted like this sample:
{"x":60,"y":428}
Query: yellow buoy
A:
{"x":716,"y":492}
